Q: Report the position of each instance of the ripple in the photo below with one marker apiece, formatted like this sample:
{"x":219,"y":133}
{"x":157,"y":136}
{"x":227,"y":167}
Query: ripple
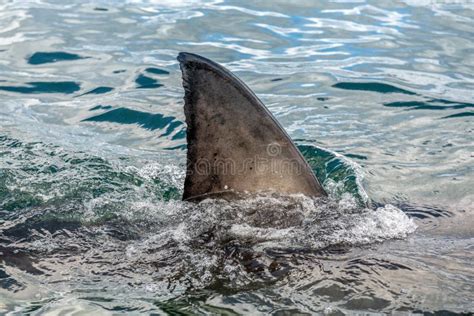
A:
{"x":458,"y":115}
{"x":157,"y":71}
{"x":145,"y":120}
{"x":98,"y":90}
{"x":40,"y":58}
{"x":100,"y":107}
{"x":350,"y":26}
{"x":418,"y":105}
{"x":145,"y":82}
{"x":371,"y":86}
{"x":65,"y":87}
{"x":424,"y":211}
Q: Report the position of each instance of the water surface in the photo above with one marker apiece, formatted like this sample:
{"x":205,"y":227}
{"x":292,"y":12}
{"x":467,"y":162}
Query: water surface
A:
{"x":377,"y":94}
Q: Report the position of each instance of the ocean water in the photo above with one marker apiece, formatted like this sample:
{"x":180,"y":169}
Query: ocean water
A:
{"x":378,"y":95}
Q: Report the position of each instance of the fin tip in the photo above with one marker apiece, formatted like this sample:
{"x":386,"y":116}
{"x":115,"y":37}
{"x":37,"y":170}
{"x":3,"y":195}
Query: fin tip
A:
{"x":185,"y":57}
{"x":182,"y":56}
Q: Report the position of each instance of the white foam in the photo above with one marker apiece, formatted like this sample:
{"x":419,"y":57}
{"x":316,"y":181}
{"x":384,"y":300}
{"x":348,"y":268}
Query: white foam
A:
{"x":297,"y":221}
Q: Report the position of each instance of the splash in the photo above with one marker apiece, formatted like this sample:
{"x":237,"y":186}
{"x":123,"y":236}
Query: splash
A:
{"x":125,"y":225}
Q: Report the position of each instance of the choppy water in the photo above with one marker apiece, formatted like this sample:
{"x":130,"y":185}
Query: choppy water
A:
{"x":378,"y":95}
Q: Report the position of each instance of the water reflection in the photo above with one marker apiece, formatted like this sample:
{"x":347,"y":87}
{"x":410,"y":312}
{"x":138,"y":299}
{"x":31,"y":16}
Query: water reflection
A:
{"x":145,"y":82}
{"x":143,"y":119}
{"x":457,"y":115}
{"x":98,"y":90}
{"x":371,"y":86}
{"x":157,"y":71}
{"x":66,"y":87}
{"x":40,"y":58}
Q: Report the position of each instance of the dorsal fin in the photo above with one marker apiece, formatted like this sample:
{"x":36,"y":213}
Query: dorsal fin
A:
{"x":235,"y":145}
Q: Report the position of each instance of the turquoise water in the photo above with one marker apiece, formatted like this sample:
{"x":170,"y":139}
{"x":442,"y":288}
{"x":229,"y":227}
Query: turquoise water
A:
{"x":378,"y":95}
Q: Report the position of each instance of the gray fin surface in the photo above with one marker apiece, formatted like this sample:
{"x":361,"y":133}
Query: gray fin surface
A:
{"x":235,"y":145}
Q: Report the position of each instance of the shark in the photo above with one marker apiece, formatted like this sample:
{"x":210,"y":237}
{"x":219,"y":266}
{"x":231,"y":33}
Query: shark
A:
{"x":235,"y":146}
